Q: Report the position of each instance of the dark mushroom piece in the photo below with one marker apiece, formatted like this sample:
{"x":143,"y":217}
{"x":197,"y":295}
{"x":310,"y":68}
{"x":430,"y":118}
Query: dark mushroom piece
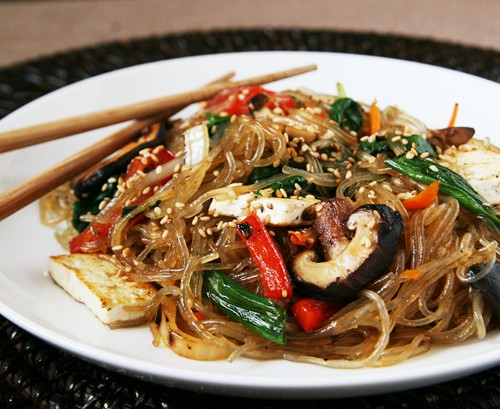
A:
{"x":95,"y":177}
{"x":453,"y":136}
{"x":357,"y":246}
{"x":488,"y":285}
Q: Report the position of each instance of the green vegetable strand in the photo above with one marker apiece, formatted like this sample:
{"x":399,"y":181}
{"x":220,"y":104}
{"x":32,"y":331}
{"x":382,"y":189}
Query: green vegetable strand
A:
{"x":256,"y":313}
{"x":451,"y":184}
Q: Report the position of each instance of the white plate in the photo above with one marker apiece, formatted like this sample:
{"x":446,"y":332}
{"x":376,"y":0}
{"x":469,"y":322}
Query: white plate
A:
{"x":30,"y":299}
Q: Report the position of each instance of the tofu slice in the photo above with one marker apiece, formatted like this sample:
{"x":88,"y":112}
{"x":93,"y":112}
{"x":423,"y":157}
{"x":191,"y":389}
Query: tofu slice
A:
{"x":273,"y":211}
{"x":96,"y":282}
{"x":479,"y":166}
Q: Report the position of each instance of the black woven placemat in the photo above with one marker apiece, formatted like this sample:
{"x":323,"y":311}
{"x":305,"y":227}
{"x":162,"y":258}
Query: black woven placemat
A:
{"x":34,"y":374}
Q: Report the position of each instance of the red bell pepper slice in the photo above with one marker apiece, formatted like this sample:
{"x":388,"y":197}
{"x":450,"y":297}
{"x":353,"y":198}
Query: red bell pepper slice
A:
{"x":234,"y":101}
{"x":272,"y":267}
{"x":96,"y":236}
{"x":311,"y":313}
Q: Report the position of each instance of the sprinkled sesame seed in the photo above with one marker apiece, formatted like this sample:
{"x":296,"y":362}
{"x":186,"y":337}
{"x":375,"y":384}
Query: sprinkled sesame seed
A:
{"x":409,"y":155}
{"x":146,"y":190}
{"x":396,"y":138}
{"x":202,"y":233}
{"x":126,"y":252}
{"x":179,"y":205}
{"x":195,"y":221}
{"x":348,"y":174}
{"x":164,"y":234}
{"x":434,"y":168}
{"x":158,"y":169}
{"x":361,"y":190}
{"x":387,"y":187}
{"x":119,"y":247}
{"x":424,"y":154}
{"x":372,"y":183}
{"x":157,"y":210}
{"x":177,"y":168}
{"x":283,"y":192}
{"x":205,"y":218}
{"x":372,"y":138}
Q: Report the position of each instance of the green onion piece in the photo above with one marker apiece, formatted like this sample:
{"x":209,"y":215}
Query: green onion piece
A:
{"x":256,"y":313}
{"x":451,"y":183}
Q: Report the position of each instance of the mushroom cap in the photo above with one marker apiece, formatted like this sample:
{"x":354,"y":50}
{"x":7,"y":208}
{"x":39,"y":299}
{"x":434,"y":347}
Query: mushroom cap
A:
{"x":368,"y":254}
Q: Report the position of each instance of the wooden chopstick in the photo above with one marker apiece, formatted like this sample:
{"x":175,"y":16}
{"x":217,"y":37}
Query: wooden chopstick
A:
{"x":48,"y":131}
{"x":34,"y":188}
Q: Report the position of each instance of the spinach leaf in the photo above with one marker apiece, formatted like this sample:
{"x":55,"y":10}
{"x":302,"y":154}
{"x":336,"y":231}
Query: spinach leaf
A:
{"x":90,"y":205}
{"x":347,"y":113}
{"x":216,"y":125}
{"x":254,"y":312}
{"x":385,"y":144}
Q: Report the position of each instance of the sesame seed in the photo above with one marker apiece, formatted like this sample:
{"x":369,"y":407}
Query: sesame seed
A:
{"x":372,"y":138}
{"x":195,"y":221}
{"x":157,"y":210}
{"x":434,"y":168}
{"x":164,"y":234}
{"x":126,"y":252}
{"x":119,"y":247}
{"x":177,"y":168}
{"x":158,"y":169}
{"x":372,"y":183}
{"x":146,"y":190}
{"x":387,"y":187}
{"x":410,"y":155}
{"x":396,"y":138}
{"x":202,"y":233}
{"x":361,"y":190}
{"x":179,"y":205}
{"x":424,"y":154}
{"x":205,"y":218}
{"x":348,"y":174}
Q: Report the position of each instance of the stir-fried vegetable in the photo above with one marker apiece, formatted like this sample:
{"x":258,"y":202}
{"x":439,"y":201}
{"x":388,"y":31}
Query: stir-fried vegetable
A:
{"x":347,"y":113}
{"x":395,"y":144}
{"x":311,"y":313}
{"x":240,"y":101}
{"x":424,"y":198}
{"x":275,"y":279}
{"x":256,"y":313}
{"x":451,"y":184}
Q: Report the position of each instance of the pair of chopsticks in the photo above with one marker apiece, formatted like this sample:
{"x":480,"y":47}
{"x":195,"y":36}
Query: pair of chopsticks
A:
{"x":145,"y":114}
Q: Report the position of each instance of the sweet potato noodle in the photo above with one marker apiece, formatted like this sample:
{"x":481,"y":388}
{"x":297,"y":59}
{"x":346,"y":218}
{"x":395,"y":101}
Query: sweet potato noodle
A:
{"x":423,"y":299}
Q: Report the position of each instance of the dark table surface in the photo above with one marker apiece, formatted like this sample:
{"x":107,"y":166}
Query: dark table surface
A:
{"x":34,"y":374}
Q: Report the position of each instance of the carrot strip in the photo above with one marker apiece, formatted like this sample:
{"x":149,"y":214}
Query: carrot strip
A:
{"x":424,"y":198}
{"x":453,"y":116}
{"x":412,"y":274}
{"x":374,"y":118}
